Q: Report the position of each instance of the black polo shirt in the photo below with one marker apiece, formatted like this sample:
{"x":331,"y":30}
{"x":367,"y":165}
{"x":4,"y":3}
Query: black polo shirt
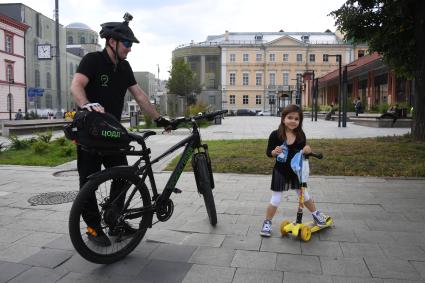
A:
{"x":106,"y":86}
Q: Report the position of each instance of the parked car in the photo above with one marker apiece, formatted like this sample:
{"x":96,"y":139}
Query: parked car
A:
{"x":245,"y":112}
{"x":263,"y":113}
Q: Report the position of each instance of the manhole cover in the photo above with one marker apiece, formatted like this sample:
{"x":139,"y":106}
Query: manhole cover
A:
{"x":66,"y":173}
{"x":53,"y":198}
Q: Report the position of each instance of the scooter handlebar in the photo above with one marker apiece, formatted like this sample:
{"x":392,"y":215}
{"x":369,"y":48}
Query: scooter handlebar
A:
{"x":317,"y":155}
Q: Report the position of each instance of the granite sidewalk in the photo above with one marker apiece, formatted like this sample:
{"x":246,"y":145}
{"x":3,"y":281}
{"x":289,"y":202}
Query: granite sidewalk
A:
{"x":379,"y":232}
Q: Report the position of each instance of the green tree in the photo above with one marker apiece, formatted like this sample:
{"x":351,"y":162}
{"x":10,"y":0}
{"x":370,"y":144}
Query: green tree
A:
{"x":395,"y":29}
{"x":183,"y":81}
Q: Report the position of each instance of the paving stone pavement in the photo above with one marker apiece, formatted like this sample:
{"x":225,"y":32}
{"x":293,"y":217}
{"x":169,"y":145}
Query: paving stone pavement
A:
{"x":378,"y":234}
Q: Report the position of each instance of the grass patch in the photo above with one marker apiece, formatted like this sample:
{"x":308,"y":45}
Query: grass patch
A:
{"x":40,"y":153}
{"x":382,"y":156}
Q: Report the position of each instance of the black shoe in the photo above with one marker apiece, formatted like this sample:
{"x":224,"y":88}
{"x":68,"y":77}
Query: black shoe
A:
{"x":123,"y":230}
{"x":98,"y":237}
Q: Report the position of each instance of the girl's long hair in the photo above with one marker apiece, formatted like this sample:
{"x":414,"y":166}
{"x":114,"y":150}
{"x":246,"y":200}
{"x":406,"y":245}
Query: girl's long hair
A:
{"x":298,"y":131}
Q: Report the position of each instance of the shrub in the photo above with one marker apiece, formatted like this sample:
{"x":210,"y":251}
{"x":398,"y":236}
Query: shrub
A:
{"x":45,"y":137}
{"x":148,"y":121}
{"x":3,"y":147}
{"x":68,"y":150}
{"x":61,"y":141}
{"x":18,"y":144}
{"x":39,"y":147}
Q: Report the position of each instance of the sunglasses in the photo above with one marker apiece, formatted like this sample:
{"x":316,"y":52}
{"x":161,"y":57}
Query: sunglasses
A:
{"x":127,"y":43}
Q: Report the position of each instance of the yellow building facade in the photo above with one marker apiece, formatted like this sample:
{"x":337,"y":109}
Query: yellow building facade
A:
{"x":258,"y":71}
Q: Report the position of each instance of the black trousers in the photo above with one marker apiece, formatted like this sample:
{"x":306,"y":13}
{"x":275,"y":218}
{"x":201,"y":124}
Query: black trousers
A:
{"x":89,"y":163}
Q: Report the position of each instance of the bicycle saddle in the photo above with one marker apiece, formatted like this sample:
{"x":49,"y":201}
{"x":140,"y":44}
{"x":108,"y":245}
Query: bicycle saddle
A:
{"x":141,"y":136}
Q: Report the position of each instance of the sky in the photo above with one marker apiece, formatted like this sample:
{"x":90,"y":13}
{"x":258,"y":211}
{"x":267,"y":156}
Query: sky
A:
{"x":162,"y":25}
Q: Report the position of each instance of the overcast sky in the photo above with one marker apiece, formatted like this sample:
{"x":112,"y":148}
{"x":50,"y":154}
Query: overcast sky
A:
{"x":162,"y":25}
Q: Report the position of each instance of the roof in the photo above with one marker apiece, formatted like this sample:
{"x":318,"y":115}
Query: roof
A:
{"x":12,"y":22}
{"x":78,"y":26}
{"x":265,"y":37}
{"x":359,"y":63}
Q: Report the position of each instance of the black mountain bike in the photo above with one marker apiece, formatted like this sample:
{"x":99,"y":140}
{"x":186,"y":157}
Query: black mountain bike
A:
{"x":131,"y":202}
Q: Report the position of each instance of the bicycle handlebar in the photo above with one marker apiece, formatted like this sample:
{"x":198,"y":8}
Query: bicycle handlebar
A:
{"x":203,"y":116}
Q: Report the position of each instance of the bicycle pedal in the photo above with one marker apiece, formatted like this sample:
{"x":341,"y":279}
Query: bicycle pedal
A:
{"x":177,"y":191}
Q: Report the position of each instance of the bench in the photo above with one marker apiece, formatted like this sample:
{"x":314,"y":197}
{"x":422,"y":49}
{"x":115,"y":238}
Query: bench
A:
{"x":377,"y":122}
{"x":16,"y":127}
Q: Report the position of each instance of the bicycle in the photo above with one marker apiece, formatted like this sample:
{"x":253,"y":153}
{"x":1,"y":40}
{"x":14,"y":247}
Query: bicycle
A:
{"x":133,"y":203}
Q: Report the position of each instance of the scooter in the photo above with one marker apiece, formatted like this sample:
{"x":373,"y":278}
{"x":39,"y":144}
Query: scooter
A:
{"x":300,"y":166}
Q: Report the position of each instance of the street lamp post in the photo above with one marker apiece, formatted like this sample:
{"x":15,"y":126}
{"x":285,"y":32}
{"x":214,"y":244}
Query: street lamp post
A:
{"x":9,"y":98}
{"x":339,"y":58}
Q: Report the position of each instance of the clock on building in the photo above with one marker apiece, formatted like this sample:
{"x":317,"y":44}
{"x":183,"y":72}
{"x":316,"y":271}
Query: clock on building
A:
{"x":44,"y":51}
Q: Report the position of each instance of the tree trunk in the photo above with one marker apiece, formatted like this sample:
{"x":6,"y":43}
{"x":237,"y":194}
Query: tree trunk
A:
{"x":418,"y":128}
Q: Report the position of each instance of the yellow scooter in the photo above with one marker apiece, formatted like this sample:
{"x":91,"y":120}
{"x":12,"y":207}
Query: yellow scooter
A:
{"x":300,"y":166}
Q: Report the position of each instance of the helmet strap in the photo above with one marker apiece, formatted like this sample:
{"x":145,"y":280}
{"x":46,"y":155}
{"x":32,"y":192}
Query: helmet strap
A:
{"x":115,"y":51}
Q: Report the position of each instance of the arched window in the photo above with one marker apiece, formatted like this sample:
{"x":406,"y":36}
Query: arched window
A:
{"x":49,"y":101}
{"x":82,"y":40}
{"x":48,"y":80}
{"x":70,"y":39}
{"x":10,"y":102}
{"x":37,"y":78}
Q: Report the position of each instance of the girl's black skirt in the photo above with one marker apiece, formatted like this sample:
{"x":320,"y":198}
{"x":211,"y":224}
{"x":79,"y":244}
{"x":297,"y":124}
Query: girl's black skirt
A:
{"x":282,"y":180}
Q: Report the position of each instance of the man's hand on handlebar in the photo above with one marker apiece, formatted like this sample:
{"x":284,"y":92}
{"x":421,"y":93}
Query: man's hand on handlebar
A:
{"x":165,"y":123}
{"x":93,"y":107}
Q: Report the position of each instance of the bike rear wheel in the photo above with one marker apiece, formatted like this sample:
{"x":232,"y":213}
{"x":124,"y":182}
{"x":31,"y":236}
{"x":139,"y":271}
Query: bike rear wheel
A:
{"x":206,"y":189}
{"x":127,"y":187}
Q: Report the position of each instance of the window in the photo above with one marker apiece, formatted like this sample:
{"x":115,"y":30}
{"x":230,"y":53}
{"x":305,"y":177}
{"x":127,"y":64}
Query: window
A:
{"x":232,"y":99}
{"x":299,"y":57}
{"x":48,"y":80}
{"x":258,"y":79}
{"x":259,"y":57}
{"x":49,"y":101}
{"x":258,"y":99}
{"x":360,"y":53}
{"x":245,"y":99}
{"x":82,"y":40}
{"x":285,"y":78}
{"x":9,"y":75}
{"x":286,"y":57}
{"x":272,"y":78}
{"x":272,"y":57}
{"x":70,"y":39}
{"x":37,"y":78}
{"x":193,"y":66}
{"x":312,"y":57}
{"x":325,"y":58}
{"x":38,"y":25}
{"x":8,"y":44}
{"x":232,"y":57}
{"x":245,"y":57}
{"x":232,"y":79}
{"x":245,"y":78}
{"x":211,"y":99}
{"x":337,"y":58}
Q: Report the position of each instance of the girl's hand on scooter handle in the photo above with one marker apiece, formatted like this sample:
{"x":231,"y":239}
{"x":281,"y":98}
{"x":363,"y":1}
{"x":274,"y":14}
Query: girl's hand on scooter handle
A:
{"x":307,"y":149}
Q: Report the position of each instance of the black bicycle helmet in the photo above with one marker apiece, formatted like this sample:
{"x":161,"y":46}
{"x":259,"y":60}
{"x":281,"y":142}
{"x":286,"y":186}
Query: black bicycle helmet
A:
{"x":118,"y":31}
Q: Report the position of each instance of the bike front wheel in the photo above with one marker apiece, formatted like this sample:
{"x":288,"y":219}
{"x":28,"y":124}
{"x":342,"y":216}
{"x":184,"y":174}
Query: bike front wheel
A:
{"x":206,"y":189}
{"x":116,"y":205}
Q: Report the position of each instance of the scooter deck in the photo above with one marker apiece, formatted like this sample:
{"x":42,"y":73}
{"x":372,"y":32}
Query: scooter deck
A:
{"x":295,"y":228}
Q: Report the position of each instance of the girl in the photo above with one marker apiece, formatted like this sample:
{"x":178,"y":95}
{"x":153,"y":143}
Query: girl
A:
{"x":283,"y":178}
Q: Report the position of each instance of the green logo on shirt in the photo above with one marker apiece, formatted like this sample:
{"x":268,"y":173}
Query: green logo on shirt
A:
{"x":104,"y":80}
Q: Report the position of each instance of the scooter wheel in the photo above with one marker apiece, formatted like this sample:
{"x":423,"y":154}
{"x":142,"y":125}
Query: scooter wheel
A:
{"x":305,"y":233}
{"x":282,"y":226}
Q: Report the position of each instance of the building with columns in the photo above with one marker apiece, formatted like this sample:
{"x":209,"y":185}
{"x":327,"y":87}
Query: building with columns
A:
{"x":252,"y":69}
{"x":12,"y":67}
{"x":370,"y":79}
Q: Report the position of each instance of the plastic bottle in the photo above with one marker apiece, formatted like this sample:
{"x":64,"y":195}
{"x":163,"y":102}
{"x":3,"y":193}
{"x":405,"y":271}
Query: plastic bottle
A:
{"x":284,"y":154}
